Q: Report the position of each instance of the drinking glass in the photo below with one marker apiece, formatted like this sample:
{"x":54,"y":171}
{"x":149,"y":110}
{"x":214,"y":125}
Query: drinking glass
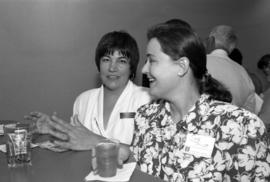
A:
{"x":18,"y":140}
{"x":106,"y":153}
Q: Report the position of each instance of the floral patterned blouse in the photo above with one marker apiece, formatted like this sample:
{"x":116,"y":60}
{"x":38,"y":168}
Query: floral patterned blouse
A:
{"x":240,"y":149}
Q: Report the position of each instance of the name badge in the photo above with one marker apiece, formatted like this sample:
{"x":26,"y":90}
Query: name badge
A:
{"x":199,"y":145}
{"x":127,"y":115}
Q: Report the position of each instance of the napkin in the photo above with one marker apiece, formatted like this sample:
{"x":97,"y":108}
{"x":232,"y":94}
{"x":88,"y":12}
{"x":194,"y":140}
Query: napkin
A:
{"x":121,"y":174}
{"x":3,"y":147}
{"x":1,"y":129}
{"x":51,"y":146}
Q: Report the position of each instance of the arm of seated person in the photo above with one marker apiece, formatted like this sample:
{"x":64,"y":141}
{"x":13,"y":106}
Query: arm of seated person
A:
{"x":264,"y":113}
{"x":76,"y":136}
{"x":73,"y":136}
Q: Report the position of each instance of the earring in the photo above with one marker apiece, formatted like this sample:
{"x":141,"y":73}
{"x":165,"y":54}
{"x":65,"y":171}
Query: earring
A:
{"x":180,"y":74}
{"x":132,"y":76}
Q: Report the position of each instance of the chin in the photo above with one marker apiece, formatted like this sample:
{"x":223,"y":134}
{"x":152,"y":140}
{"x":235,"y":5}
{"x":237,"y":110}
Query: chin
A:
{"x":153,"y":93}
{"x":111,"y":86}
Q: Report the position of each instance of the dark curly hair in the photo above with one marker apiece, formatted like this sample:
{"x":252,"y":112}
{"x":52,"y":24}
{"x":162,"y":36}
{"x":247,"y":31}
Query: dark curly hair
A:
{"x":119,"y":41}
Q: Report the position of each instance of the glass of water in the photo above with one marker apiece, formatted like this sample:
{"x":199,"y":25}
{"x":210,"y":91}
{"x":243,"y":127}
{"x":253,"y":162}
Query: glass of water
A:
{"x":18,"y":141}
{"x":106,"y":154}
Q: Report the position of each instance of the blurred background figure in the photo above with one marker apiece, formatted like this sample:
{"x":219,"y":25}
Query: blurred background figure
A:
{"x":236,"y":56}
{"x":264,"y":71}
{"x":264,"y":113}
{"x":235,"y":78}
{"x":264,"y":75}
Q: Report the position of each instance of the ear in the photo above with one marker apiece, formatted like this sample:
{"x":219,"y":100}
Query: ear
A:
{"x":183,"y":65}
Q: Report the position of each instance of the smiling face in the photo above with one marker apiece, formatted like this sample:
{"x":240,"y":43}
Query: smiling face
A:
{"x":161,"y":71}
{"x":114,"y":71}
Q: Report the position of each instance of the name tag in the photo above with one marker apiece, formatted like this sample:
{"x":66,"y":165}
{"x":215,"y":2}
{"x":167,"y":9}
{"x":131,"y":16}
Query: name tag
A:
{"x":127,"y":115}
{"x":199,"y":145}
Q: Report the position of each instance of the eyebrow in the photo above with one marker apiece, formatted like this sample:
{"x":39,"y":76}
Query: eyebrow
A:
{"x":122,"y":56}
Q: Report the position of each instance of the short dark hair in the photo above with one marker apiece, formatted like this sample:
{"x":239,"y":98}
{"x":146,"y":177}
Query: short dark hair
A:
{"x":264,"y":61}
{"x":180,"y":42}
{"x":119,"y":41}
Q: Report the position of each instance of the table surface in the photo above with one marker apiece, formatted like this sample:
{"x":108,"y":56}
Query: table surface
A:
{"x":49,"y":166}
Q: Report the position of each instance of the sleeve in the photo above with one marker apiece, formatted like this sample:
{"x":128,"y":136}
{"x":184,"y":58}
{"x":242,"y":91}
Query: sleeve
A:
{"x":80,"y":105}
{"x":135,"y":141}
{"x":76,"y":107}
{"x":250,"y":103}
{"x":265,"y":109}
{"x":137,"y":137}
{"x":75,"y":110}
{"x":252,"y":157}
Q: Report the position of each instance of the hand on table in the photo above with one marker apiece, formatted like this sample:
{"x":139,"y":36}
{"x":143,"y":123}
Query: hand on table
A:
{"x":124,"y":153}
{"x":75,"y":136}
{"x":72,"y":135}
{"x":41,"y":120}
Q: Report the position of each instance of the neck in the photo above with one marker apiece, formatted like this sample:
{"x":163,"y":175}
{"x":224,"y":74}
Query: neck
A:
{"x":112,"y":93}
{"x":183,"y":100}
{"x":180,"y":107}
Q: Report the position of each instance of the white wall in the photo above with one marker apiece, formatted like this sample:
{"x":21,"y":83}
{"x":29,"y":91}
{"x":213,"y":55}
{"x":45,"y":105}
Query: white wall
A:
{"x":47,"y":46}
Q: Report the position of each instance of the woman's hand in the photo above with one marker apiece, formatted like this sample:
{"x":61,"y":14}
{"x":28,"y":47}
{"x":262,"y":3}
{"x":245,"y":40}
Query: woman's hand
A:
{"x":75,"y":136}
{"x":41,"y":121}
{"x":124,"y":153}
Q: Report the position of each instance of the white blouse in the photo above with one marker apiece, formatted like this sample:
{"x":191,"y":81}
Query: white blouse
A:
{"x":89,"y":108}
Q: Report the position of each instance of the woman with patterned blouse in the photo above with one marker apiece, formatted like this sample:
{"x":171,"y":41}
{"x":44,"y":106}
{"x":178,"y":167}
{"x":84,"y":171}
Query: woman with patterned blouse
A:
{"x":191,"y":132}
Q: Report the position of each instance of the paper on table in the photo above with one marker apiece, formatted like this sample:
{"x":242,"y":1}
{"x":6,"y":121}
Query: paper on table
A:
{"x":51,"y":146}
{"x":121,"y":174}
{"x":1,"y":129}
{"x":3,"y":147}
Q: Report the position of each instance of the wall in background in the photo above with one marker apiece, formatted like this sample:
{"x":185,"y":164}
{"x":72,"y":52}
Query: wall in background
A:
{"x":47,"y":46}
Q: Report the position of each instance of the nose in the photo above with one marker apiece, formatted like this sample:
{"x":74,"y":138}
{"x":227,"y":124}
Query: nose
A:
{"x":113,"y":66}
{"x":145,"y":68}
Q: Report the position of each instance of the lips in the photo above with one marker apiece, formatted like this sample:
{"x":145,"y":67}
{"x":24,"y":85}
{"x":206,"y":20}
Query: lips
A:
{"x":151,"y":80}
{"x":112,"y":76}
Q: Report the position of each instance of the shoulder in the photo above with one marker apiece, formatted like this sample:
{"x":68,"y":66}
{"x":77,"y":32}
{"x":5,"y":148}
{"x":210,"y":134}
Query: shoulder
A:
{"x":224,"y":107}
{"x":230,"y":113}
{"x":152,"y":108}
{"x":88,"y":94}
{"x":220,"y":60}
{"x":149,"y":113}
